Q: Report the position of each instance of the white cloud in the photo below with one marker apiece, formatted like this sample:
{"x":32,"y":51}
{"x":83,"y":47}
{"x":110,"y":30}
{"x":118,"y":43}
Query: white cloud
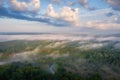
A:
{"x":24,"y":6}
{"x":103,"y":25}
{"x":66,"y":14}
{"x":50,"y":11}
{"x":98,"y":19}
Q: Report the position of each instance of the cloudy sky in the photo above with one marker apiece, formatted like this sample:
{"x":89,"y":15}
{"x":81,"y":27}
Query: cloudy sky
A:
{"x":63,"y":16}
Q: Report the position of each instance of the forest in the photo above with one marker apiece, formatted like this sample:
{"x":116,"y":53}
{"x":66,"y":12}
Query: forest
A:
{"x":59,"y":60}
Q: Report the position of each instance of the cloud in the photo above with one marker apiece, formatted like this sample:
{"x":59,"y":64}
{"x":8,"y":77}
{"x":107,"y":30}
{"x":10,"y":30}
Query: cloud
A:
{"x":17,"y":10}
{"x":0,"y":3}
{"x":17,"y":15}
{"x":65,"y":14}
{"x":50,"y":11}
{"x":84,"y":3}
{"x":71,"y":3}
{"x":55,"y":1}
{"x":103,"y":25}
{"x":24,"y":10}
{"x":69,"y":14}
{"x":24,"y":6}
{"x":114,"y":3}
{"x":60,"y":16}
{"x":105,"y":19}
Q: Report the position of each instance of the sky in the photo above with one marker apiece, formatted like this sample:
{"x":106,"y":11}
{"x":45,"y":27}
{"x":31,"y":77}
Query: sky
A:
{"x":60,"y":16}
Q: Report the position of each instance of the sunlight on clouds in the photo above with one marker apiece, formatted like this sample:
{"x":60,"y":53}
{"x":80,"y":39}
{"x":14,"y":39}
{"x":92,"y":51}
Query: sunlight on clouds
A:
{"x":23,"y":6}
{"x":102,"y":25}
{"x":59,"y":15}
{"x":66,"y":13}
{"x":50,"y":11}
{"x":69,"y":14}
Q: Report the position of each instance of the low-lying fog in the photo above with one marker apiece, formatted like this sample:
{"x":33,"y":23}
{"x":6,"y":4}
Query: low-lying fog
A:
{"x":84,"y":42}
{"x":59,"y":37}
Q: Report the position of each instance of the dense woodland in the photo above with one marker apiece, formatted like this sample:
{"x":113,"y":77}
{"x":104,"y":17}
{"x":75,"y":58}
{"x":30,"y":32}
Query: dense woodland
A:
{"x":68,"y":59}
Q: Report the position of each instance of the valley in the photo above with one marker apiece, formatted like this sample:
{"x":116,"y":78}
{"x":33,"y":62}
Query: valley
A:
{"x":60,"y":59}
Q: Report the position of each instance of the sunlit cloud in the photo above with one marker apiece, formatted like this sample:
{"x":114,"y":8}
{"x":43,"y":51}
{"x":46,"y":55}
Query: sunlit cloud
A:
{"x":64,"y":13}
{"x":24,"y":6}
{"x":50,"y":11}
{"x":103,"y":25}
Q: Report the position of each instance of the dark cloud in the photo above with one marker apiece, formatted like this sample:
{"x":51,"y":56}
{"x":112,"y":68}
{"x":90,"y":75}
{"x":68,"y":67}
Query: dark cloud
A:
{"x":55,"y":1}
{"x":84,"y":3}
{"x":17,"y":10}
{"x":110,"y":14}
{"x":16,"y":15}
{"x":25,"y":14}
{"x":115,"y":4}
{"x":0,"y":2}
